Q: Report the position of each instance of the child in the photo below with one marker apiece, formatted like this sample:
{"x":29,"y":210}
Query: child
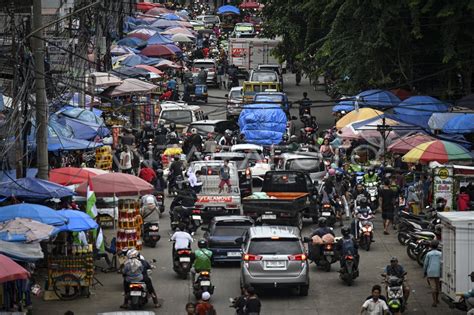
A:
{"x":224,"y":174}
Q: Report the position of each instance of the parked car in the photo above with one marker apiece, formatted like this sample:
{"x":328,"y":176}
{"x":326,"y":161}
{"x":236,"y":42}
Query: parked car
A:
{"x":210,"y":66}
{"x":221,"y":235}
{"x":243,"y":167}
{"x":209,"y":20}
{"x":234,"y":103}
{"x":259,"y":163}
{"x":274,"y":256}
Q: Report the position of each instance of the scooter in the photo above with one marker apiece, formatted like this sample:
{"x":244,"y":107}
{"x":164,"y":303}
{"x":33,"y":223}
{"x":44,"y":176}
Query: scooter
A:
{"x":182,"y":262}
{"x":203,"y":284}
{"x":349,"y":272}
{"x":137,"y":295}
{"x":160,"y":197}
{"x":151,"y":234}
{"x":373,"y":191}
{"x":366,"y":227}
{"x":395,"y":297}
{"x":327,"y":258}
{"x":328,"y":212}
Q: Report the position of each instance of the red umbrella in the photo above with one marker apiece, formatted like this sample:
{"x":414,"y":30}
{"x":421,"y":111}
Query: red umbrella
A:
{"x":10,"y":270}
{"x":145,"y":6}
{"x":403,"y":145}
{"x":150,"y":69}
{"x":118,"y":184}
{"x":157,"y":50}
{"x":73,"y":175}
{"x":142,"y":36}
{"x":402,"y":93}
{"x":250,"y":5}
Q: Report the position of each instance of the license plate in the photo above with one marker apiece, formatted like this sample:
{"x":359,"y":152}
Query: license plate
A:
{"x":328,"y":253}
{"x":185,"y":259}
{"x":275,"y":264}
{"x":153,"y":233}
{"x":213,"y":208}
{"x":269,"y":216}
{"x":326,"y":214}
{"x":205,"y":283}
{"x":135,"y":293}
{"x":233,"y":254}
{"x":196,"y":217}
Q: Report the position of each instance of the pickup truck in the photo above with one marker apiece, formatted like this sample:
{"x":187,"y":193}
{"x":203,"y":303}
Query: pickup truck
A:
{"x":286,"y":197}
{"x":209,"y":200}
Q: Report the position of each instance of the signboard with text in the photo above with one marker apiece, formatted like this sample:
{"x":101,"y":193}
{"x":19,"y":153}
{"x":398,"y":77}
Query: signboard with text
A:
{"x":443,"y":185}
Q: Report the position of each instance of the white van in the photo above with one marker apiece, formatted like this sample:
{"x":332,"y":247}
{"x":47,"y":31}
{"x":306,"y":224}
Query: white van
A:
{"x":180,"y":113}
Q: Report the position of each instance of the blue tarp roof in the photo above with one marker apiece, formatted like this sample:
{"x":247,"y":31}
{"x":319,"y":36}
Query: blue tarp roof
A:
{"x":460,"y":124}
{"x":263,"y":124}
{"x":33,"y":189}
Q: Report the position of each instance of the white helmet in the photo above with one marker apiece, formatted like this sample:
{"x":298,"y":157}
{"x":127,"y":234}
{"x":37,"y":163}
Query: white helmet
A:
{"x":132,"y":253}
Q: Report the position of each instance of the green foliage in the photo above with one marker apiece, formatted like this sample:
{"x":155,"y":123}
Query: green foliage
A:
{"x":425,"y":45}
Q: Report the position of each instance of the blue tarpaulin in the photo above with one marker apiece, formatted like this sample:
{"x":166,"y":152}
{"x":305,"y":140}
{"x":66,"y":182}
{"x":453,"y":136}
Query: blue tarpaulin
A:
{"x":132,"y":42}
{"x":263,"y":124}
{"x":418,"y":109}
{"x":344,"y":105}
{"x":377,"y":99}
{"x":158,"y":39}
{"x":33,"y":188}
{"x":460,"y":124}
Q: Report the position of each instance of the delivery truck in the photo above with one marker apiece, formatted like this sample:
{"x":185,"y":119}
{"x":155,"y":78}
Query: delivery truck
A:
{"x":458,"y":254}
{"x":249,"y":53}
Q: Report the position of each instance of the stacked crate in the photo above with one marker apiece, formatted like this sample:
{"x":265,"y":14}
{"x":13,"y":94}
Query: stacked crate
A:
{"x":129,"y":225}
{"x":103,"y":158}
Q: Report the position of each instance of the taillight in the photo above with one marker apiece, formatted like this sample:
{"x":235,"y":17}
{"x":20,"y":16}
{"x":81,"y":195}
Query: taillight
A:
{"x":135,"y":286}
{"x":198,"y":206}
{"x":299,"y":257}
{"x":248,"y":173}
{"x":232,"y":206}
{"x":204,"y":273}
{"x":328,"y":246}
{"x":197,"y":211}
{"x":209,"y":172}
{"x":184,"y":252}
{"x":349,"y":257}
{"x":249,"y":257}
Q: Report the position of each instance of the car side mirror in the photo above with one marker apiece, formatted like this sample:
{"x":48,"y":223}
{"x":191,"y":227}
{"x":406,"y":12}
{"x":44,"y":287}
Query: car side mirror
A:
{"x":239,"y":241}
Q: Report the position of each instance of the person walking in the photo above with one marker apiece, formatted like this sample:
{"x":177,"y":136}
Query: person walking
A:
{"x":386,"y":202}
{"x":126,"y":160}
{"x":432,"y":270}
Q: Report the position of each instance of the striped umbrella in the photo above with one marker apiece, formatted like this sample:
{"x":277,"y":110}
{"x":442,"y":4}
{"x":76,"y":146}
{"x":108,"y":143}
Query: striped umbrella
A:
{"x":439,"y":151}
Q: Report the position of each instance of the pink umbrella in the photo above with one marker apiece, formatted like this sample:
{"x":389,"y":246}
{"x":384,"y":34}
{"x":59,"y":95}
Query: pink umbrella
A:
{"x":141,"y":36}
{"x":178,"y":30}
{"x":405,"y":144}
{"x":157,"y":51}
{"x":116,"y":184}
{"x":150,"y":69}
{"x":167,"y":64}
{"x":10,"y":270}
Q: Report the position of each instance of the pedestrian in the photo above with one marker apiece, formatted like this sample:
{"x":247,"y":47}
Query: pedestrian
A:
{"x":204,"y":307}
{"x":220,"y":74}
{"x":386,"y":202}
{"x":432,"y":270}
{"x":224,"y":175}
{"x":253,"y":304}
{"x":190,"y":308}
{"x":463,"y":199}
{"x":375,"y":305}
{"x":126,"y":160}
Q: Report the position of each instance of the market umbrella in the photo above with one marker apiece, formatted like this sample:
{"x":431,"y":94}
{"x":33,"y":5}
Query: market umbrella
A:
{"x":250,"y":5}
{"x":150,"y":69}
{"x":131,"y":72}
{"x":77,"y":221}
{"x":343,"y":106}
{"x":158,"y":51}
{"x":157,"y":11}
{"x":118,"y":184}
{"x":132,"y":42}
{"x":25,"y":230}
{"x":11,"y":271}
{"x":170,"y":16}
{"x":402,"y":94}
{"x":359,"y":115}
{"x":32,"y":211}
{"x":181,"y":38}
{"x":228,"y":9}
{"x":185,"y":24}
{"x":103,"y":79}
{"x":178,"y":30}
{"x":30,"y":252}
{"x":377,"y":99}
{"x":167,"y":64}
{"x":145,"y":6}
{"x":132,"y":61}
{"x":73,"y":175}
{"x":141,"y":35}
{"x":438,"y":120}
{"x":158,"y":39}
{"x":162,"y":23}
{"x":459,"y":124}
{"x":33,"y":188}
{"x":439,"y":151}
{"x":467,"y":101}
{"x":405,"y":144}
{"x":129,"y":87}
{"x":120,"y":50}
{"x":418,"y":109}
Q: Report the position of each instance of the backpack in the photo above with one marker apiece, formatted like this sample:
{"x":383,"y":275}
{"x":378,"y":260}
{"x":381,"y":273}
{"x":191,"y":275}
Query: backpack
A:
{"x":348,"y":247}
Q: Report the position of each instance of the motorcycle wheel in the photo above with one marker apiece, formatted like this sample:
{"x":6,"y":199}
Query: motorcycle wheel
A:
{"x":367,"y":243}
{"x":327,"y":267}
{"x":135,"y":303}
{"x":402,"y":238}
{"x":303,"y":290}
{"x":184,"y":276}
{"x":411,"y":252}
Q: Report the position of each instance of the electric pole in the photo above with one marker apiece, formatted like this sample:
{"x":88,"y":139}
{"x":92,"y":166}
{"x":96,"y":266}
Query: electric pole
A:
{"x":37,"y":44}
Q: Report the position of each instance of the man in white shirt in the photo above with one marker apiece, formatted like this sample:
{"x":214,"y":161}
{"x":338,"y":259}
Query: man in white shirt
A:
{"x":375,"y":305}
{"x":182,"y":240}
{"x":195,"y":180}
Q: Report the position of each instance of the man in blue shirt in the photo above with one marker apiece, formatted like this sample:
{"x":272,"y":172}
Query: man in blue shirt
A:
{"x":394,"y":269}
{"x":432,"y":270}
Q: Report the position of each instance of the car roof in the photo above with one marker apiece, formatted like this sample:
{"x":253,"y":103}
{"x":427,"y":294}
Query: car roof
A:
{"x":246,"y":146}
{"x":228,"y":154}
{"x":270,"y":93}
{"x":232,"y":218}
{"x":204,"y":60}
{"x":207,"y":122}
{"x":178,"y":106}
{"x":269,"y":231}
{"x":244,"y":24}
{"x":302,"y":155}
{"x":236,"y":88}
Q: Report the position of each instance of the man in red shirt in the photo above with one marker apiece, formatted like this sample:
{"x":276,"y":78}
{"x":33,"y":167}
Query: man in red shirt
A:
{"x":147,"y":173}
{"x":203,"y":307}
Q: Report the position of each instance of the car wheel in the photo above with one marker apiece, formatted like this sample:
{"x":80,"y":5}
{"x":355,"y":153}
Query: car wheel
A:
{"x":303,"y":290}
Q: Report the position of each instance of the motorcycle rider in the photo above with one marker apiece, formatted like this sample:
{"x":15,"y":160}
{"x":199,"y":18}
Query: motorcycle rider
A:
{"x":186,"y":198}
{"x":160,"y":183}
{"x":294,"y":145}
{"x":146,"y":134}
{"x":370,"y":177}
{"x":226,"y":139}
{"x":132,"y":273}
{"x":202,"y":259}
{"x":359,"y":191}
{"x":397,"y":270}
{"x":175,"y":169}
{"x":195,"y":140}
{"x":150,"y":211}
{"x":181,"y":239}
{"x":305,"y":103}
{"x":160,"y":133}
{"x":321,"y":231}
{"x":347,"y":246}
{"x":363,"y":206}
{"x":172,"y":135}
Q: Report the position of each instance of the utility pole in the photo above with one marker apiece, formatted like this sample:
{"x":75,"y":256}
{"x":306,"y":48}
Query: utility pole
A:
{"x":37,"y":44}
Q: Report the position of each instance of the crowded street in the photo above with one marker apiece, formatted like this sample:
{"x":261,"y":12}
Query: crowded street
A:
{"x":236,"y":157}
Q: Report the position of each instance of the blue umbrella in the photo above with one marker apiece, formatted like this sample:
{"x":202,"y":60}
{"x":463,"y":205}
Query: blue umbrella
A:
{"x":421,"y":105}
{"x":460,"y":124}
{"x":77,"y":221}
{"x":32,"y":211}
{"x":162,"y":23}
{"x":170,"y":16}
{"x":344,"y":105}
{"x":132,"y":61}
{"x":228,"y":9}
{"x":33,"y":188}
{"x":158,"y":39}
{"x":132,"y":42}
{"x":377,"y":99}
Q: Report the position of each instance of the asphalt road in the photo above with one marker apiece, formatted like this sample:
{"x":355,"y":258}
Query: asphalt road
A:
{"x":328,"y":294}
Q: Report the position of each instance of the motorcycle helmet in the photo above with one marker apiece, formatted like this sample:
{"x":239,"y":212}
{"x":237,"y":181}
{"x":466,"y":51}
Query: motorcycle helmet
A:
{"x":293,"y":138}
{"x":150,"y":202}
{"x":172,"y":135}
{"x":345,"y":231}
{"x":394,"y":305}
{"x":228,"y":133}
{"x":202,"y":243}
{"x":393,"y":259}
{"x":371,"y":171}
{"x":132,"y":253}
{"x":363,"y":202}
{"x":161,"y":123}
{"x":147,"y":125}
{"x":172,"y":126}
{"x":285,"y":137}
{"x":322,"y":222}
{"x":159,"y":173}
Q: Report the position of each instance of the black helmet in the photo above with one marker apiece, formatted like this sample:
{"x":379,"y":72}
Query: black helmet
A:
{"x":202,"y":243}
{"x":345,"y":231}
{"x":172,"y":126}
{"x":285,"y":137}
{"x":322,"y":222}
{"x":161,"y":123}
{"x":371,"y":171}
{"x":363,"y":202}
{"x":159,"y":172}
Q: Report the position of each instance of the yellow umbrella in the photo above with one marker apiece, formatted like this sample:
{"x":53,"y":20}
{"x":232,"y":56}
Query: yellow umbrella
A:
{"x":360,"y":115}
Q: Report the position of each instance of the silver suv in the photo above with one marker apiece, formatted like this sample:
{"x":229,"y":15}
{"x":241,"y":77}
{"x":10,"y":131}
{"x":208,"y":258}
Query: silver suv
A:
{"x":274,"y":256}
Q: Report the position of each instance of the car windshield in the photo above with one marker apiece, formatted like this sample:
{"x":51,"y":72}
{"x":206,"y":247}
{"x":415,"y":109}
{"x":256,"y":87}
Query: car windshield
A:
{"x":280,"y":246}
{"x":240,"y":161}
{"x":244,"y":28}
{"x":252,"y":155}
{"x":310,"y":165}
{"x":205,"y":65}
{"x":235,"y":94}
{"x":264,"y":76}
{"x":177,"y":116}
{"x":231,"y":229}
{"x":269,"y":98}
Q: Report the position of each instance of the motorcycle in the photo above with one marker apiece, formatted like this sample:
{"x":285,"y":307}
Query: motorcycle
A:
{"x":416,"y":243}
{"x":406,"y":227}
{"x":373,"y":191}
{"x":366,"y":228}
{"x":160,"y":197}
{"x":189,"y":217}
{"x":138,"y":293}
{"x":327,"y":258}
{"x":151,"y":234}
{"x":182,"y":262}
{"x":203,"y":284}
{"x":308,"y":135}
{"x":328,"y":212}
{"x":395,"y":297}
{"x":349,"y":272}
